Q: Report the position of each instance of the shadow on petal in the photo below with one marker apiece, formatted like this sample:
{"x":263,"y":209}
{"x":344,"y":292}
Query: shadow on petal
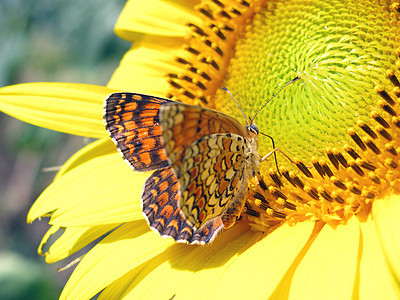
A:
{"x":283,"y":288}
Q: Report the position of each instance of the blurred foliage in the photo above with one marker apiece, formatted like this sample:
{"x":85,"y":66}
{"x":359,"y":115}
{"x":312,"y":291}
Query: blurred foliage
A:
{"x":44,"y":40}
{"x":24,"y":279}
{"x":51,"y":40}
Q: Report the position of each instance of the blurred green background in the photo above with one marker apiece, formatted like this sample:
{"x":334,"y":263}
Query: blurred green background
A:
{"x":44,"y":40}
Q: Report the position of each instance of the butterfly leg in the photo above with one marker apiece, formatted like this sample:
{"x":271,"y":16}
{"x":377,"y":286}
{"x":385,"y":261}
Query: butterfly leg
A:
{"x":234,"y":210}
{"x":275,"y":150}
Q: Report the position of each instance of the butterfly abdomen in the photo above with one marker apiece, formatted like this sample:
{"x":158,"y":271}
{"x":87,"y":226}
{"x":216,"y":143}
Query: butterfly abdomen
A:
{"x":253,"y":158}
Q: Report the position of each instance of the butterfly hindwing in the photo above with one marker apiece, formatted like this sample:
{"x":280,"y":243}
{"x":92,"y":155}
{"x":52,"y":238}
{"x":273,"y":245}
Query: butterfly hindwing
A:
{"x":160,"y":207}
{"x":213,"y":177}
{"x":132,"y":121}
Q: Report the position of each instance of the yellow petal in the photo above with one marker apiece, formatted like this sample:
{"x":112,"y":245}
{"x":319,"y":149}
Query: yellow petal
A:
{"x":328,"y":269}
{"x":182,"y":265}
{"x":97,"y":148}
{"x":103,"y":190}
{"x":375,"y":278}
{"x":52,"y":230}
{"x":73,"y":239}
{"x":145,"y":66}
{"x":66,"y":107}
{"x":386,"y":216}
{"x":124,"y":249}
{"x":237,"y":265}
{"x":155,"y":17}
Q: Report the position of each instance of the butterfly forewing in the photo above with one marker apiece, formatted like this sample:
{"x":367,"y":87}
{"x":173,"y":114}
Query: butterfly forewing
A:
{"x":132,"y":121}
{"x":183,"y":124}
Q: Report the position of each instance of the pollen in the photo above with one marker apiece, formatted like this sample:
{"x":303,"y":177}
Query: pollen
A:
{"x":339,"y":124}
{"x":209,"y":49}
{"x":341,"y":185}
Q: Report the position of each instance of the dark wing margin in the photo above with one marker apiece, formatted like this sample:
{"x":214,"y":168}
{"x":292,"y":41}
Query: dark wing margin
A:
{"x":160,"y":208}
{"x":132,"y":122}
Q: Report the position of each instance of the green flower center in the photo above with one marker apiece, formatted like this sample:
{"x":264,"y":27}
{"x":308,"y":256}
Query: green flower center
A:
{"x":339,"y":123}
{"x":341,"y":49}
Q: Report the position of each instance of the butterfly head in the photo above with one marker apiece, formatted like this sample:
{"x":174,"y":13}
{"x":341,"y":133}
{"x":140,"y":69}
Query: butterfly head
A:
{"x":253,"y":128}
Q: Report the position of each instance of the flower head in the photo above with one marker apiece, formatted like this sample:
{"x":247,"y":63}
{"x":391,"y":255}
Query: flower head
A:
{"x":329,"y":221}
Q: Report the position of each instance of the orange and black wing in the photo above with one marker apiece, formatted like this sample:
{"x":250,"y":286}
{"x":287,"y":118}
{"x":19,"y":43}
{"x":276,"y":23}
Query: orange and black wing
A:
{"x":132,"y":121}
{"x":184,"y":124}
{"x":153,"y":133}
{"x":160,"y":208}
{"x":207,"y":152}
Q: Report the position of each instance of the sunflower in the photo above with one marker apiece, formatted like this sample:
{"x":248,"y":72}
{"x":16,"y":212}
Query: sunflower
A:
{"x":326,"y":226}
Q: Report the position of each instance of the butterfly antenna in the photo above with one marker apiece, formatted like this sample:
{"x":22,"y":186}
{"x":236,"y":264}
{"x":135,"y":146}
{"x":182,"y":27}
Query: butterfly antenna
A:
{"x":226,"y":90}
{"x":273,"y":96}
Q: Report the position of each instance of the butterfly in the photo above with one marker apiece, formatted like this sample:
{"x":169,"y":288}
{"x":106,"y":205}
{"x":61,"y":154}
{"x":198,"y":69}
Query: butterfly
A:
{"x":202,"y":161}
